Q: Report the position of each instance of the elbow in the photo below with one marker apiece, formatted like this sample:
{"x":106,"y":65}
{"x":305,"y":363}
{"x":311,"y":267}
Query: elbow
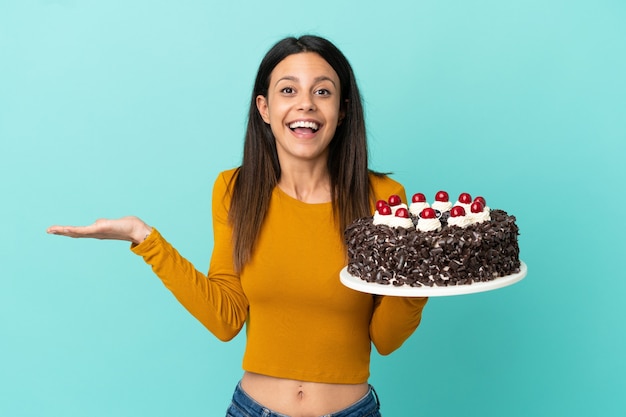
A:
{"x":223,"y":331}
{"x":385,"y":349}
{"x":223,"y":325}
{"x":225,"y":334}
{"x":225,"y":337}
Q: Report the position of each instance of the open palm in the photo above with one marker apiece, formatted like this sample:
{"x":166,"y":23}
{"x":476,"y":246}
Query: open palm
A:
{"x":129,"y":228}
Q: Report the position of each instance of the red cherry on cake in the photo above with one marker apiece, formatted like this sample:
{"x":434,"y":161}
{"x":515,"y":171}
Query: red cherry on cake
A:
{"x":428,"y":213}
{"x":418,"y":198}
{"x":457,"y":211}
{"x":482,"y":200}
{"x":465,"y":198}
{"x":477,"y":207}
{"x":384,"y":210}
{"x":394,"y":200}
{"x":380,"y":204}
{"x":402,"y":212}
{"x":442,"y":196}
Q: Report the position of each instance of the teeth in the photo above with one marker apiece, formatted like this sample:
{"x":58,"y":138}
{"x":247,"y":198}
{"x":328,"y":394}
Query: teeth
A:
{"x":302,"y":123}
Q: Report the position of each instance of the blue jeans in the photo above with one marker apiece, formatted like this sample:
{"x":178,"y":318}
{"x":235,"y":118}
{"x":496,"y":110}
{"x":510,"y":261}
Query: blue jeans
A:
{"x":244,"y":406}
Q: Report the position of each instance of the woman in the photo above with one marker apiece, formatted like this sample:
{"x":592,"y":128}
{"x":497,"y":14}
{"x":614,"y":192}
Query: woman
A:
{"x":278,"y":249}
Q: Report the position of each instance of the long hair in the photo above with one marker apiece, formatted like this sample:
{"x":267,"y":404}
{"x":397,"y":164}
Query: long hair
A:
{"x":260,"y":169}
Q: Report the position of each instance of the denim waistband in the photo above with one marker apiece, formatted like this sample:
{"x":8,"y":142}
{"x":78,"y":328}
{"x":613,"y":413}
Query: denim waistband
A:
{"x":245,"y":406}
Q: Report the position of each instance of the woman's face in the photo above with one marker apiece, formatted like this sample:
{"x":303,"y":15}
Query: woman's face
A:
{"x":302,"y":107}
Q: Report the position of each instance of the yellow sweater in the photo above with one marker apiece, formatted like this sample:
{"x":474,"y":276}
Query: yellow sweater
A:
{"x":301,"y":322}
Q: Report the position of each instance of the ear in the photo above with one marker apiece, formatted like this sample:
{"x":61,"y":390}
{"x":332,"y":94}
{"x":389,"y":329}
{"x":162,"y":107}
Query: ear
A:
{"x":342,"y":112}
{"x":261,"y":105}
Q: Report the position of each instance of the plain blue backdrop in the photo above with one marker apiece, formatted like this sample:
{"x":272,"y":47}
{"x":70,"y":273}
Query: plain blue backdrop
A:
{"x":133,"y":107}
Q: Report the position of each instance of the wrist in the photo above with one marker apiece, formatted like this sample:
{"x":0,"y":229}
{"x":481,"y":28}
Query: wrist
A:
{"x":141,"y":233}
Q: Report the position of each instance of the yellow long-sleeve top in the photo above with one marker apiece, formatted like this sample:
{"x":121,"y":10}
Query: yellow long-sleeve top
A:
{"x":301,"y":322}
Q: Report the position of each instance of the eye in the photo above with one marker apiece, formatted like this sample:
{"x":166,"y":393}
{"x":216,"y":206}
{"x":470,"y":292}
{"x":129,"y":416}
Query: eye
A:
{"x":287,"y":90}
{"x":323,"y":92}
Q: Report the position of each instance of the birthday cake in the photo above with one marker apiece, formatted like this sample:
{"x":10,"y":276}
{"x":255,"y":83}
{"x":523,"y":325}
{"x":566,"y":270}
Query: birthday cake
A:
{"x":442,"y":244}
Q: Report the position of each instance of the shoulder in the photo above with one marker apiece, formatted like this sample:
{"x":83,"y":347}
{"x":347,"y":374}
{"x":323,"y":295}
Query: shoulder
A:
{"x":225,"y":179}
{"x":223,"y":186}
{"x":383,"y":186}
{"x":228,"y":175}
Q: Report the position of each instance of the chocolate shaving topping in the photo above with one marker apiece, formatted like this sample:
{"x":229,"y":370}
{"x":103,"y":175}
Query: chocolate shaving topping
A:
{"x":453,"y":256}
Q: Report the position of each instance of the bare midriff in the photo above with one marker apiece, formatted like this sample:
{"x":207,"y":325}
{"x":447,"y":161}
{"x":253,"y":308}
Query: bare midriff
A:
{"x":300,"y":398}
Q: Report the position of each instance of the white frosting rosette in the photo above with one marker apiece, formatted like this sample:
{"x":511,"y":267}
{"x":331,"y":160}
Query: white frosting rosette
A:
{"x":392,"y":221}
{"x":460,"y":221}
{"x":468,"y":202}
{"x":402,"y":222}
{"x":428,"y":225}
{"x":416,"y":208}
{"x":380,"y":218}
{"x":483,"y":216}
{"x":396,"y":207}
{"x":442,"y":206}
{"x":467,"y":207}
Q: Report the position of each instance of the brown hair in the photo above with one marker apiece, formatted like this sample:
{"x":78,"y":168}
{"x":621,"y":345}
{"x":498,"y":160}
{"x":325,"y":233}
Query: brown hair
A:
{"x":260,"y":170}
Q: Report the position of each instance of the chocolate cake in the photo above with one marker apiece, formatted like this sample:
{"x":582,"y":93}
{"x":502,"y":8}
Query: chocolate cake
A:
{"x":474,"y":245}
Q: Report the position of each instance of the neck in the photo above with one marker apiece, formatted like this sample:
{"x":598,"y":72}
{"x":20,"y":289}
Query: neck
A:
{"x":307,"y":184}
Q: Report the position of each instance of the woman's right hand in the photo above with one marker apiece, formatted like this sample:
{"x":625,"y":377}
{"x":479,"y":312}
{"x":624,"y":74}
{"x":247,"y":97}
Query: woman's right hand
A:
{"x":130,"y":228}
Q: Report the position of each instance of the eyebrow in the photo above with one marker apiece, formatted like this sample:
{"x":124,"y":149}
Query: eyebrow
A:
{"x":296,"y":79}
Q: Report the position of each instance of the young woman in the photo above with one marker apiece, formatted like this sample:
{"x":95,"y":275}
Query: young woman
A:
{"x":278,"y":223}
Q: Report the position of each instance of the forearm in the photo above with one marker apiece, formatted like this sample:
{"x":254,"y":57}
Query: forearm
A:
{"x":394,"y":320}
{"x":218,"y":303}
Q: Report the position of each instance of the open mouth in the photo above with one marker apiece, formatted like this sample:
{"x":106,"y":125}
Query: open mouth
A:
{"x":302,"y":126}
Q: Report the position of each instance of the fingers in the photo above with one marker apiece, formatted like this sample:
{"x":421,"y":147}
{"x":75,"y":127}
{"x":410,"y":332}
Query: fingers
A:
{"x":57,"y":230}
{"x":70,"y":231}
{"x":77,"y":231}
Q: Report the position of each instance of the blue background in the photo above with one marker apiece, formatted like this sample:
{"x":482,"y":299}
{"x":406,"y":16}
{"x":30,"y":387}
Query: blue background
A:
{"x":133,"y":107}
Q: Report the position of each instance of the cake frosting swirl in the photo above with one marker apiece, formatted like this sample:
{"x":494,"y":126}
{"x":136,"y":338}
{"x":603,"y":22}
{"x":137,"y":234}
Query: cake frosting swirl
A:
{"x":442,"y":206}
{"x":428,"y":225}
{"x":459,"y":218}
{"x":418,"y":203}
{"x":391,"y":220}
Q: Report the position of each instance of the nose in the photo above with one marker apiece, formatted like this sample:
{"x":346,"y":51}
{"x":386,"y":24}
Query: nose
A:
{"x":306,"y":103}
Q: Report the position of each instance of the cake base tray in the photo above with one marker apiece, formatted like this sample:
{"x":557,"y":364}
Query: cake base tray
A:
{"x":358,"y":284}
